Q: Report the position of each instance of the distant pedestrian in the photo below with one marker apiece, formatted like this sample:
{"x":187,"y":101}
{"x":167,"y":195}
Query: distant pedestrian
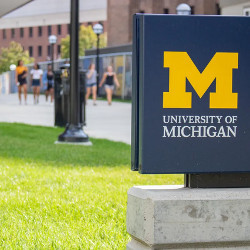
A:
{"x":49,"y":83}
{"x":91,"y":83}
{"x":110,"y":80}
{"x":36,"y":77}
{"x":21,"y":81}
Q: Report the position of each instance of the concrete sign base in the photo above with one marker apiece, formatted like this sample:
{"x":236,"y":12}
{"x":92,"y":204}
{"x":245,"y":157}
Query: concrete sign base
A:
{"x":173,"y":217}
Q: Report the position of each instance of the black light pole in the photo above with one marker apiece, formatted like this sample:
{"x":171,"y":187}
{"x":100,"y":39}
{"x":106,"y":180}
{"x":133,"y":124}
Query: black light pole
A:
{"x":52,"y":42}
{"x":97,"y":59}
{"x":74,"y":131}
{"x":52,"y":57}
{"x":98,"y":29}
{"x":185,"y":9}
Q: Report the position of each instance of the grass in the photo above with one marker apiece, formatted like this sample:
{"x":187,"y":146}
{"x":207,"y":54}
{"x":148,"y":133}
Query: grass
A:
{"x":64,"y":196}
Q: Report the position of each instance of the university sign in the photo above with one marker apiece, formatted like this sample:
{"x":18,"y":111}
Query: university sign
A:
{"x":191,"y":94}
{"x":181,"y":67}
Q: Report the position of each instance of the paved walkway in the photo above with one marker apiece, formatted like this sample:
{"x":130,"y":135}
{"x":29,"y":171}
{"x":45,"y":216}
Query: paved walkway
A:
{"x":103,"y":121}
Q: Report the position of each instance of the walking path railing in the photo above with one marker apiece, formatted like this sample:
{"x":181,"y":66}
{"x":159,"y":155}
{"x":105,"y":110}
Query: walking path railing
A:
{"x":121,"y":62}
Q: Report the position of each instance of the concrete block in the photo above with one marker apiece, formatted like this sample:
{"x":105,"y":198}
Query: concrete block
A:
{"x":173,"y":217}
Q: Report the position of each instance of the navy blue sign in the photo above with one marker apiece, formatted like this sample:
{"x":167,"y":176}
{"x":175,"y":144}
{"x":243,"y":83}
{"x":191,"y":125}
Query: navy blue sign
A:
{"x":191,"y":94}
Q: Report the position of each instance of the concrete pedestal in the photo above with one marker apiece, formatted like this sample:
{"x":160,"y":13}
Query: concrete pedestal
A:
{"x":173,"y":217}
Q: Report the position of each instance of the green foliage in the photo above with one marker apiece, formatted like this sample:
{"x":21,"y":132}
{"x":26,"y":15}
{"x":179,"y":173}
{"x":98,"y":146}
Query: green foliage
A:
{"x":65,"y":48}
{"x":12,"y":54}
{"x":87,"y":40}
{"x":64,"y":196}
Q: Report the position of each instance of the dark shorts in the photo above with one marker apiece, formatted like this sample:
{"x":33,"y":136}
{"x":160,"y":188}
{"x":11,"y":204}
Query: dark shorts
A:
{"x":50,"y":86}
{"x":22,"y":83}
{"x":21,"y":80}
{"x":90,"y":85}
{"x":35,"y":82}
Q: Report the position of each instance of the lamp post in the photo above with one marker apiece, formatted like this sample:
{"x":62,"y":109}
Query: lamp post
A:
{"x":183,"y":9}
{"x":74,"y":131}
{"x":98,"y":29}
{"x":52,"y":42}
{"x":12,"y":67}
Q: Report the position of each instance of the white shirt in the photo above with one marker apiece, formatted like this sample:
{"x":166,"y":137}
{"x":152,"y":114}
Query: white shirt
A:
{"x":36,"y":73}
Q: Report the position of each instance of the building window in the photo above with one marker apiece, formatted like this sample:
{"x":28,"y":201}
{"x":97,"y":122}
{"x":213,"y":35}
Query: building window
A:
{"x":246,"y":11}
{"x":59,"y":29}
{"x":165,"y":11}
{"x":40,"y":31}
{"x":30,"y":50}
{"x":21,"y":32}
{"x":40,"y":50}
{"x":30,"y":31}
{"x":4,"y":34}
{"x":58,"y":49}
{"x":49,"y":50}
{"x":218,"y":11}
{"x":68,"y":28}
{"x":192,"y":10}
{"x":49,"y":30}
{"x":12,"y":33}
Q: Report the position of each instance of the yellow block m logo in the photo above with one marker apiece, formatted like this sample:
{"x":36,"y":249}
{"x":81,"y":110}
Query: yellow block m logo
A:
{"x":181,"y":67}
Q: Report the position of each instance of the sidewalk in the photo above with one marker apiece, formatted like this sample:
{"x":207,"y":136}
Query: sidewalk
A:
{"x":103,"y":121}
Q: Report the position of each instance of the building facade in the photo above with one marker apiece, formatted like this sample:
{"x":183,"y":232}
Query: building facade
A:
{"x":32,"y":24}
{"x":120,"y":13}
{"x":235,"y":7}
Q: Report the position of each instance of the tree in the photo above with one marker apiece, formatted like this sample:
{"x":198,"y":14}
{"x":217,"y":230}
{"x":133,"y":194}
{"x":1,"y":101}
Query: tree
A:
{"x":87,"y":40}
{"x":12,"y":54}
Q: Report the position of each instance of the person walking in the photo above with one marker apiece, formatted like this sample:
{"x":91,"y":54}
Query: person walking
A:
{"x":110,"y":80}
{"x":21,"y":81}
{"x":91,"y":83}
{"x":36,"y":77}
{"x":49,"y":83}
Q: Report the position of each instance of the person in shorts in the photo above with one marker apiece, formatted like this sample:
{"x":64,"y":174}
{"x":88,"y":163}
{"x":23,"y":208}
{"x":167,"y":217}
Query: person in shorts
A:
{"x":49,"y":83}
{"x":110,"y":80}
{"x":21,"y":81}
{"x":91,"y":83}
{"x":36,"y":77}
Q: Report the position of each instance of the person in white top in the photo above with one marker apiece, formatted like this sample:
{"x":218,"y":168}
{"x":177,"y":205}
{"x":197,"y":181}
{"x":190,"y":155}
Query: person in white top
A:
{"x":36,"y":77}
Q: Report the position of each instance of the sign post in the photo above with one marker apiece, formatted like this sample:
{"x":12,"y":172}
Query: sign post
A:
{"x":191,"y":116}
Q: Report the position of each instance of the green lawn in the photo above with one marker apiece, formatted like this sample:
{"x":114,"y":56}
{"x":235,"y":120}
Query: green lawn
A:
{"x":64,"y":196}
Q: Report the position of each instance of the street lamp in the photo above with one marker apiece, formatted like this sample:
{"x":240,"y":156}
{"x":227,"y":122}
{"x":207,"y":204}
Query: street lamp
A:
{"x":98,"y":29}
{"x":52,"y":42}
{"x":74,"y":130}
{"x":12,"y":67}
{"x":183,"y":9}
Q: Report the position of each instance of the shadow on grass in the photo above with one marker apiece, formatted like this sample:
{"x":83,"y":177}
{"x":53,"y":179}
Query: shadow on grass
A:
{"x":114,"y":99}
{"x":36,"y":143}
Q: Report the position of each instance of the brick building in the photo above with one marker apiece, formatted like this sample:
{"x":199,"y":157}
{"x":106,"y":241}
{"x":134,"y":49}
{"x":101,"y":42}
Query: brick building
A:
{"x":31,"y":24}
{"x":120,"y":14}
